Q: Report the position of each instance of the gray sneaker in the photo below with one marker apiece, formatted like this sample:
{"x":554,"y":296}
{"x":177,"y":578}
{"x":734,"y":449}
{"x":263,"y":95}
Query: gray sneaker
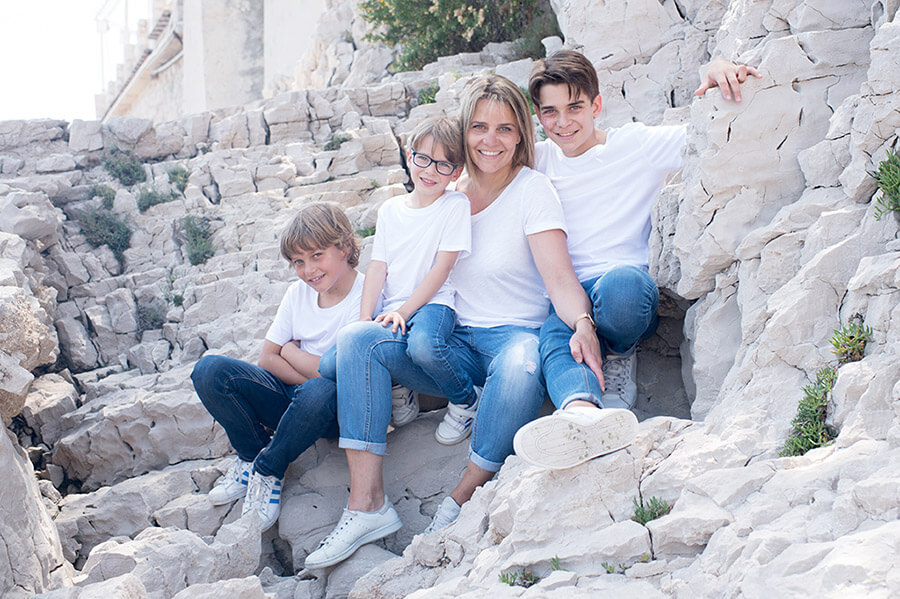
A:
{"x":404,"y":405}
{"x":620,"y":375}
{"x":446,"y":514}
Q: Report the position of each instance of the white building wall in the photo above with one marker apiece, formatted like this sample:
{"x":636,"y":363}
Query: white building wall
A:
{"x":289,"y":29}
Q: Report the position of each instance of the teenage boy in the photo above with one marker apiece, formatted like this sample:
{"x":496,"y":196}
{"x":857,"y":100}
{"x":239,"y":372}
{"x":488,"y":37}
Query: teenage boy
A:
{"x":607,"y":181}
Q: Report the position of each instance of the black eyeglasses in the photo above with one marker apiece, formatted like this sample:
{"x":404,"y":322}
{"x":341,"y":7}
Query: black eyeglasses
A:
{"x":441,"y":166}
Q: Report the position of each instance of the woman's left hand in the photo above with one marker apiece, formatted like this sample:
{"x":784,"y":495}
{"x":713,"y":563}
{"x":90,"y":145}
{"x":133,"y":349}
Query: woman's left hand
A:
{"x":585,"y":348}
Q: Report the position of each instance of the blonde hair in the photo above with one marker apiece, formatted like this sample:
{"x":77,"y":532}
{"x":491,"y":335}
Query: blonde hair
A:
{"x":318,"y":226}
{"x":443,"y":130}
{"x":500,"y":89}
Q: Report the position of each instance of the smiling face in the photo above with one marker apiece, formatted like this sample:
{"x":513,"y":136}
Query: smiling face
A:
{"x":429,"y":183}
{"x":568,"y":121}
{"x":325,"y":270}
{"x":492,"y":137}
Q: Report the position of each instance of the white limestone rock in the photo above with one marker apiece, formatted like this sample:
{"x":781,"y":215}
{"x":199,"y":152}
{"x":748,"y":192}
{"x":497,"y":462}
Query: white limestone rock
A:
{"x":127,"y":586}
{"x":14,"y":384}
{"x":25,"y":331}
{"x":85,"y":136}
{"x":55,"y":163}
{"x":50,"y":397}
{"x":30,"y":215}
{"x":245,"y":588}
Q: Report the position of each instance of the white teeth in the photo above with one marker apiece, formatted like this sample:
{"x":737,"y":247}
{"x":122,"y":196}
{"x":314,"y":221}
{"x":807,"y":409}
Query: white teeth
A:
{"x":486,"y":153}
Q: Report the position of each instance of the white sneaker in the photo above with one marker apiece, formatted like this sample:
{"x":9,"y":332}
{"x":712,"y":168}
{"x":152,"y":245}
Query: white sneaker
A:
{"x":353,"y":530}
{"x":446,"y":514}
{"x":573,"y":436}
{"x":457,"y":423}
{"x":404,"y":405}
{"x":233,"y":485}
{"x":620,"y":375}
{"x":263,"y":499}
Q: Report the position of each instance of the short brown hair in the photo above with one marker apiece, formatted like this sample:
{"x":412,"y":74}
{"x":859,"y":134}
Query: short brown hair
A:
{"x":318,"y":226}
{"x":567,"y":67}
{"x":500,"y":89}
{"x":443,"y":130}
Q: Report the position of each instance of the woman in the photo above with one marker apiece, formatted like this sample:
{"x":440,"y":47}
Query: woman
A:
{"x":518,"y":250}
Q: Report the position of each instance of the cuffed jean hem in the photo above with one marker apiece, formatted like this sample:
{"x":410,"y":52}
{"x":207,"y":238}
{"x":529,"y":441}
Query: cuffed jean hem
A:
{"x":483,"y":463}
{"x":583,"y":397}
{"x":376,"y":448}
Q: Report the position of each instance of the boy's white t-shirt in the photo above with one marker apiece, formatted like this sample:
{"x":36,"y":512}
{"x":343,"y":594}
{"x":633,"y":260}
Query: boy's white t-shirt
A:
{"x":498,"y":283}
{"x":408,"y":239}
{"x":607,"y":192}
{"x":300,"y":318}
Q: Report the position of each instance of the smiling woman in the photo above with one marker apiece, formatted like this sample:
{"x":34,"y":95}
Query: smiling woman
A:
{"x":59,"y":69}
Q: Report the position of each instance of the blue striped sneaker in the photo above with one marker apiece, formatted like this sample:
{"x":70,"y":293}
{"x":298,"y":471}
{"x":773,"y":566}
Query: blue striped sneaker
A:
{"x":233,"y":485}
{"x":263,"y":499}
{"x":457,"y":423}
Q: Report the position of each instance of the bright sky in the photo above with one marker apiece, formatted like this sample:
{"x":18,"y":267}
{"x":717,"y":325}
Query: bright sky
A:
{"x":50,"y":61}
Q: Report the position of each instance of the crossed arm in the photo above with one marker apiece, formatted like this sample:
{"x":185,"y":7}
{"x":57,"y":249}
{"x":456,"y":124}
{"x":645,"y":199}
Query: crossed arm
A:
{"x":288,"y":362}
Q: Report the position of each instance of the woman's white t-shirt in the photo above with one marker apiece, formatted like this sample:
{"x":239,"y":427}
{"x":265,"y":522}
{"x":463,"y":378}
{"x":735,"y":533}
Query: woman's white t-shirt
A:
{"x":300,"y":318}
{"x":498,"y":283}
{"x":607,"y":193}
{"x":408,"y":239}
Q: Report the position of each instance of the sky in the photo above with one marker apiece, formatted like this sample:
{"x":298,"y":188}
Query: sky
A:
{"x":50,"y":59}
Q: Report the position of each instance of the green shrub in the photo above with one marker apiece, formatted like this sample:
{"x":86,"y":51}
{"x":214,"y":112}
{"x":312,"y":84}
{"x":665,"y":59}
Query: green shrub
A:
{"x":519,"y":579}
{"x":888,"y":178}
{"x":427,"y":94}
{"x":336,"y":140}
{"x":426,"y":29}
{"x":197,"y":239}
{"x":654,"y":509}
{"x":150,"y":197}
{"x":106,"y":193}
{"x":849,"y":342}
{"x":150,"y":316}
{"x":103,"y":227}
{"x":367,"y":232}
{"x":124,"y":167}
{"x":808,"y":429}
{"x":178,"y":176}
{"x":544,"y":24}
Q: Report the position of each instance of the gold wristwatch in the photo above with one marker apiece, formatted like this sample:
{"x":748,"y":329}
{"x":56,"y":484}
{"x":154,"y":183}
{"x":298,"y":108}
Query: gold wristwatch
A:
{"x":584,"y":315}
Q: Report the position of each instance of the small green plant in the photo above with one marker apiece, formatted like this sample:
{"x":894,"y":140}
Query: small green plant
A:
{"x":808,"y":429}
{"x":646,"y":557}
{"x":104,"y":227}
{"x":177,"y":299}
{"x":150,"y":197}
{"x":124,"y":167}
{"x":427,"y":94}
{"x":197,"y":239}
{"x":151,"y":316}
{"x":178,"y":176}
{"x":336,"y":141}
{"x":849,"y":342}
{"x":555,"y":565}
{"x":367,"y":232}
{"x":610,"y":569}
{"x":106,"y":194}
{"x":374,"y":184}
{"x":654,"y":509}
{"x":888,"y":178}
{"x":521,"y":579}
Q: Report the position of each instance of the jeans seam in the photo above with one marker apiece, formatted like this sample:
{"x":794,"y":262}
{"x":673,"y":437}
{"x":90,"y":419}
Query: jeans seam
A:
{"x":253,"y":423}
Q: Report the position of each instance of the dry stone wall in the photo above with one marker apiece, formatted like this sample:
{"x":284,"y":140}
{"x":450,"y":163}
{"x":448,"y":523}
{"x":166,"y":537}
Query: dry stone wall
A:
{"x":767,"y":239}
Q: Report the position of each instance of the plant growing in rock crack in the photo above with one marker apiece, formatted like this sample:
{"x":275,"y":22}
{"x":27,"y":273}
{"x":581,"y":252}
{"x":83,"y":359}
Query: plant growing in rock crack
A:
{"x":178,"y":176}
{"x":336,"y":141}
{"x":555,"y":565}
{"x":197,"y":239}
{"x":521,"y":579}
{"x":808,"y":429}
{"x":849,"y":342}
{"x":653,"y":509}
{"x":150,"y":316}
{"x":151,"y":197}
{"x":102,"y":227}
{"x":124,"y":167}
{"x":367,"y":232}
{"x":888,"y":178}
{"x":427,"y":94}
{"x":106,"y":194}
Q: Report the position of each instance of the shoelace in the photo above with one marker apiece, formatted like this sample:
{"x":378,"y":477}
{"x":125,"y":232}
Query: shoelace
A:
{"x":260,"y":493}
{"x":617,"y":374}
{"x":346,"y":517}
{"x":233,"y":474}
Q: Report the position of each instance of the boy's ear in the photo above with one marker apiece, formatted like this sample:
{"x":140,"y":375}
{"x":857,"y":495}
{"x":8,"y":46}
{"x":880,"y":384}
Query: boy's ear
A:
{"x":457,"y":173}
{"x":596,"y":106}
{"x":408,"y":155}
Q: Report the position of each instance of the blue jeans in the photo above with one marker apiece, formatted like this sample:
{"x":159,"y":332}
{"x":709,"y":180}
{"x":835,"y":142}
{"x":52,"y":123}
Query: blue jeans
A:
{"x":249,"y":402}
{"x":504,"y":360}
{"x":625,"y":301}
{"x":429,"y":330}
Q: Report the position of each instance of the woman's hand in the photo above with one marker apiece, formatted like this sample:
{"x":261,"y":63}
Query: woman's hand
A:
{"x":728,"y":77}
{"x":392,"y":318}
{"x":585,"y":348}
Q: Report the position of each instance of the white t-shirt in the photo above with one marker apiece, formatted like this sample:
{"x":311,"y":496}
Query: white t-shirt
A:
{"x":608,"y":191}
{"x":299,"y":317}
{"x":498,"y":283}
{"x":408,"y":239}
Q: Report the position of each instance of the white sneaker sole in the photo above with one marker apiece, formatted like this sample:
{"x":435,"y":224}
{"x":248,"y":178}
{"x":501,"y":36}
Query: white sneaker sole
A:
{"x":451,"y":440}
{"x":374,"y":535}
{"x":557,"y":441}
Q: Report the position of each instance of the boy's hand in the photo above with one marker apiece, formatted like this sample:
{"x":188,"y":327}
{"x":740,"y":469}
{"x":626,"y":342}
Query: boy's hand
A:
{"x":728,"y":77}
{"x":394,"y":318}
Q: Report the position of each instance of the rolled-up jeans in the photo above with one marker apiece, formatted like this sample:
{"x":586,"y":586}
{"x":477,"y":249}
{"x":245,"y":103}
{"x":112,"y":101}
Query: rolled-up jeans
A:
{"x":249,"y":402}
{"x":504,"y":360}
{"x":624,"y":301}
